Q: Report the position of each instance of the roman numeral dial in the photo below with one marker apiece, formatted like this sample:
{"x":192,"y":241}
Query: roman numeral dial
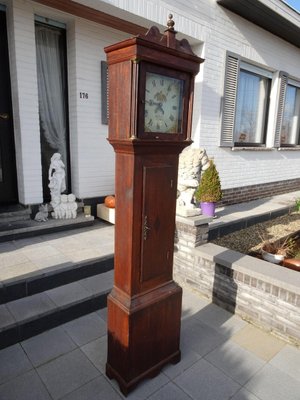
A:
{"x":163,"y":103}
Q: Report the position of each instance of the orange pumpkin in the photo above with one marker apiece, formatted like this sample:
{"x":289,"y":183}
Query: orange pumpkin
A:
{"x":110,"y":201}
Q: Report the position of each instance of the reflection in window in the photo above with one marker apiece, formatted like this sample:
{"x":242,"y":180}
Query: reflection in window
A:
{"x":291,"y":117}
{"x":251,"y":108}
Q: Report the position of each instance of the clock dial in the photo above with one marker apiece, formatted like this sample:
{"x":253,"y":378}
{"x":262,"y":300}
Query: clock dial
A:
{"x":163,"y":103}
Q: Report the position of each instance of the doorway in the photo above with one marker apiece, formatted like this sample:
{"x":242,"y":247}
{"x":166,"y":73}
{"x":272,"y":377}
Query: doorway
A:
{"x":8,"y":172}
{"x":53,"y":94}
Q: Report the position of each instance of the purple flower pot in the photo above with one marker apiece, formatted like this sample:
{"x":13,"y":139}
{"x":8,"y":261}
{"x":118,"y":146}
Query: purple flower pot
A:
{"x":208,"y":208}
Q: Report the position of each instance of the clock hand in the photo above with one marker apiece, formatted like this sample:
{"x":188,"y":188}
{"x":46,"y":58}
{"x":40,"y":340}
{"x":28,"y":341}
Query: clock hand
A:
{"x":159,"y":107}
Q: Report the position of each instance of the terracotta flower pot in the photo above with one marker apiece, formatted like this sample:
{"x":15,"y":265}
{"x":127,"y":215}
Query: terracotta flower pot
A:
{"x":292,"y":263}
{"x":110,"y":201}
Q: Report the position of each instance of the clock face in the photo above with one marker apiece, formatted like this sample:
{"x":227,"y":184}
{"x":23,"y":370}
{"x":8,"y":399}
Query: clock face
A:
{"x":163,"y":103}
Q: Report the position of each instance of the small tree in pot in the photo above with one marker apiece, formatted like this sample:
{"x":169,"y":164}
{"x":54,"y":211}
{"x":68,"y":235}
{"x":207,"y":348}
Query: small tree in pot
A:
{"x":209,"y":191}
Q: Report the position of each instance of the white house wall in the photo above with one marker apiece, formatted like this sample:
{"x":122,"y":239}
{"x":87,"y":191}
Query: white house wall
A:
{"x":25,"y":101}
{"x":221,"y":30}
{"x":92,"y":157}
{"x":212,"y":31}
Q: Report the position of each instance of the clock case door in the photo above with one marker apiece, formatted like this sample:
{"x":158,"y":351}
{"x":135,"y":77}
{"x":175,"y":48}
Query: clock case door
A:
{"x":181,"y":135}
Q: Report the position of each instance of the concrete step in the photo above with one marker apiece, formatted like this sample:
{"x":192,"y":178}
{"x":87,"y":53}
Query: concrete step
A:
{"x":12,"y":230}
{"x":48,"y":302}
{"x":14,"y":213}
{"x":49,"y":278}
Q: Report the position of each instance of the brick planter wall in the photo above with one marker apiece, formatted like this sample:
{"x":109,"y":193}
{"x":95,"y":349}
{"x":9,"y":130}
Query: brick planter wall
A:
{"x":266,"y":294}
{"x":254,"y":192}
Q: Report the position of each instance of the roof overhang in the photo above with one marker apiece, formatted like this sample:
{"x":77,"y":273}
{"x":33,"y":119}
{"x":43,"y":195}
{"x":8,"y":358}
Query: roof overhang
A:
{"x":285,"y":25}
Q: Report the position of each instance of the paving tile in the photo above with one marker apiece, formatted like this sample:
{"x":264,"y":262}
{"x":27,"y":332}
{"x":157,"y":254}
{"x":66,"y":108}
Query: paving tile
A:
{"x":188,"y":358}
{"x":235,"y":361}
{"x":13,"y":258}
{"x":98,"y":283}
{"x":169,"y":392}
{"x":30,"y":306}
{"x":67,"y":294}
{"x":15,"y":271}
{"x":57,"y":260}
{"x":199,"y":337}
{"x":25,"y":387}
{"x":244,"y":394}
{"x":96,"y":351}
{"x":13,"y":362}
{"x":6,"y":247}
{"x":220,"y":319}
{"x":145,"y":388}
{"x":67,"y":373}
{"x":288,"y":360}
{"x":6,"y":318}
{"x":261,"y":343}
{"x":203,"y":381}
{"x":39,"y":252}
{"x":28,"y":243}
{"x":76,"y":255}
{"x":99,"y":388}
{"x":192,"y":303}
{"x":58,"y":343}
{"x":103,"y":313}
{"x":272,"y":383}
{"x":85,"y":329}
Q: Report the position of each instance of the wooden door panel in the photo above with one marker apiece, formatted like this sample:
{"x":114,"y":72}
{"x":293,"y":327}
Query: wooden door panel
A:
{"x":157,"y":221}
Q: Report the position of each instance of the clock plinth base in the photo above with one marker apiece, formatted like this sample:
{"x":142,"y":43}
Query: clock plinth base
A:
{"x":143,"y":334}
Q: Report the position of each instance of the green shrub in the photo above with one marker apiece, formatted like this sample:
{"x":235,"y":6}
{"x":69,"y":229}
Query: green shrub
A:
{"x":209,"y":189}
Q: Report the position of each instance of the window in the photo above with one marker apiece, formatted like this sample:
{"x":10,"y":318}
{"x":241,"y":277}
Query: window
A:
{"x":251,"y":108}
{"x":52,"y":95}
{"x":246,"y":103}
{"x":290,"y":127}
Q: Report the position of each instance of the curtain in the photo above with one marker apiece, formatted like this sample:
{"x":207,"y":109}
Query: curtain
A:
{"x":246,"y":114}
{"x":51,"y":91}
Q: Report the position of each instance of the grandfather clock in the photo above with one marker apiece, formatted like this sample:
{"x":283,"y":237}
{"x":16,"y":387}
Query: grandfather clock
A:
{"x":151,"y":85}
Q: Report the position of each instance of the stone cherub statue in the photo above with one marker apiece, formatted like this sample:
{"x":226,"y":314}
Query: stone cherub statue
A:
{"x":64,"y":205}
{"x":57,"y":179}
{"x":191,"y":162}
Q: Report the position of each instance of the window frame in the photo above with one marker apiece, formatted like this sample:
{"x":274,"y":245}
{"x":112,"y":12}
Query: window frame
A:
{"x":289,"y":81}
{"x":234,"y":65}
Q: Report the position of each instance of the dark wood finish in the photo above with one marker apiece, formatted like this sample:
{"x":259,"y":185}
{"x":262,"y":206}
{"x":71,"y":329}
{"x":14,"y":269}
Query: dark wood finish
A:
{"x":8,"y":173}
{"x":82,"y":11}
{"x":144,"y":307}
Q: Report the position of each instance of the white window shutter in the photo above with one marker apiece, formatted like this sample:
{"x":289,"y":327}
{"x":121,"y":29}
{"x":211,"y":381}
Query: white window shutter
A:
{"x":229,"y":101}
{"x":283,"y":79}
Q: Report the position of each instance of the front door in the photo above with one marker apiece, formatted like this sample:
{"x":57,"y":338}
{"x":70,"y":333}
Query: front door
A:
{"x":8,"y":175}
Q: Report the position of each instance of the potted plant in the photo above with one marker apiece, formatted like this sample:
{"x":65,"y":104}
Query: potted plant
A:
{"x":277,"y":251}
{"x":209,"y":191}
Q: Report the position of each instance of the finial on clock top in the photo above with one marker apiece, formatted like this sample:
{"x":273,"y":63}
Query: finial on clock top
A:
{"x":170,"y":23}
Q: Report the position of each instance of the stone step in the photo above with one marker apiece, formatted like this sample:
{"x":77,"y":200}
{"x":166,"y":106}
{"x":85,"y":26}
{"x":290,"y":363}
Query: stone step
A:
{"x":14,"y":213}
{"x":49,"y":278}
{"x":28,"y":316}
{"x":29,"y":228}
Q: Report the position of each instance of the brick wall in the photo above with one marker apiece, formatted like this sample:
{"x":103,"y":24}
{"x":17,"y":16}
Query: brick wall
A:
{"x":265,"y":294}
{"x":253,"y":192}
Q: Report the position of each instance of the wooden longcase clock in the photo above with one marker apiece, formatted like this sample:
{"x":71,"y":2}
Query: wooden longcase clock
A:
{"x":151,"y":84}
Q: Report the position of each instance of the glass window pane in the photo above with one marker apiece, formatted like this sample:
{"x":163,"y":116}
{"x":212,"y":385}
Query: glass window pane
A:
{"x":251,"y":108}
{"x":290,"y":121}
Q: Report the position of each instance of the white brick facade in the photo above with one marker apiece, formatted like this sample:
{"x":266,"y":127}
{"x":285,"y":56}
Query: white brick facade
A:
{"x":212,"y":31}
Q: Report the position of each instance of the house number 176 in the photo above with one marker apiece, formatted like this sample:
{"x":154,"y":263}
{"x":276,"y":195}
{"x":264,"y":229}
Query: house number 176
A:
{"x":83,"y":95}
